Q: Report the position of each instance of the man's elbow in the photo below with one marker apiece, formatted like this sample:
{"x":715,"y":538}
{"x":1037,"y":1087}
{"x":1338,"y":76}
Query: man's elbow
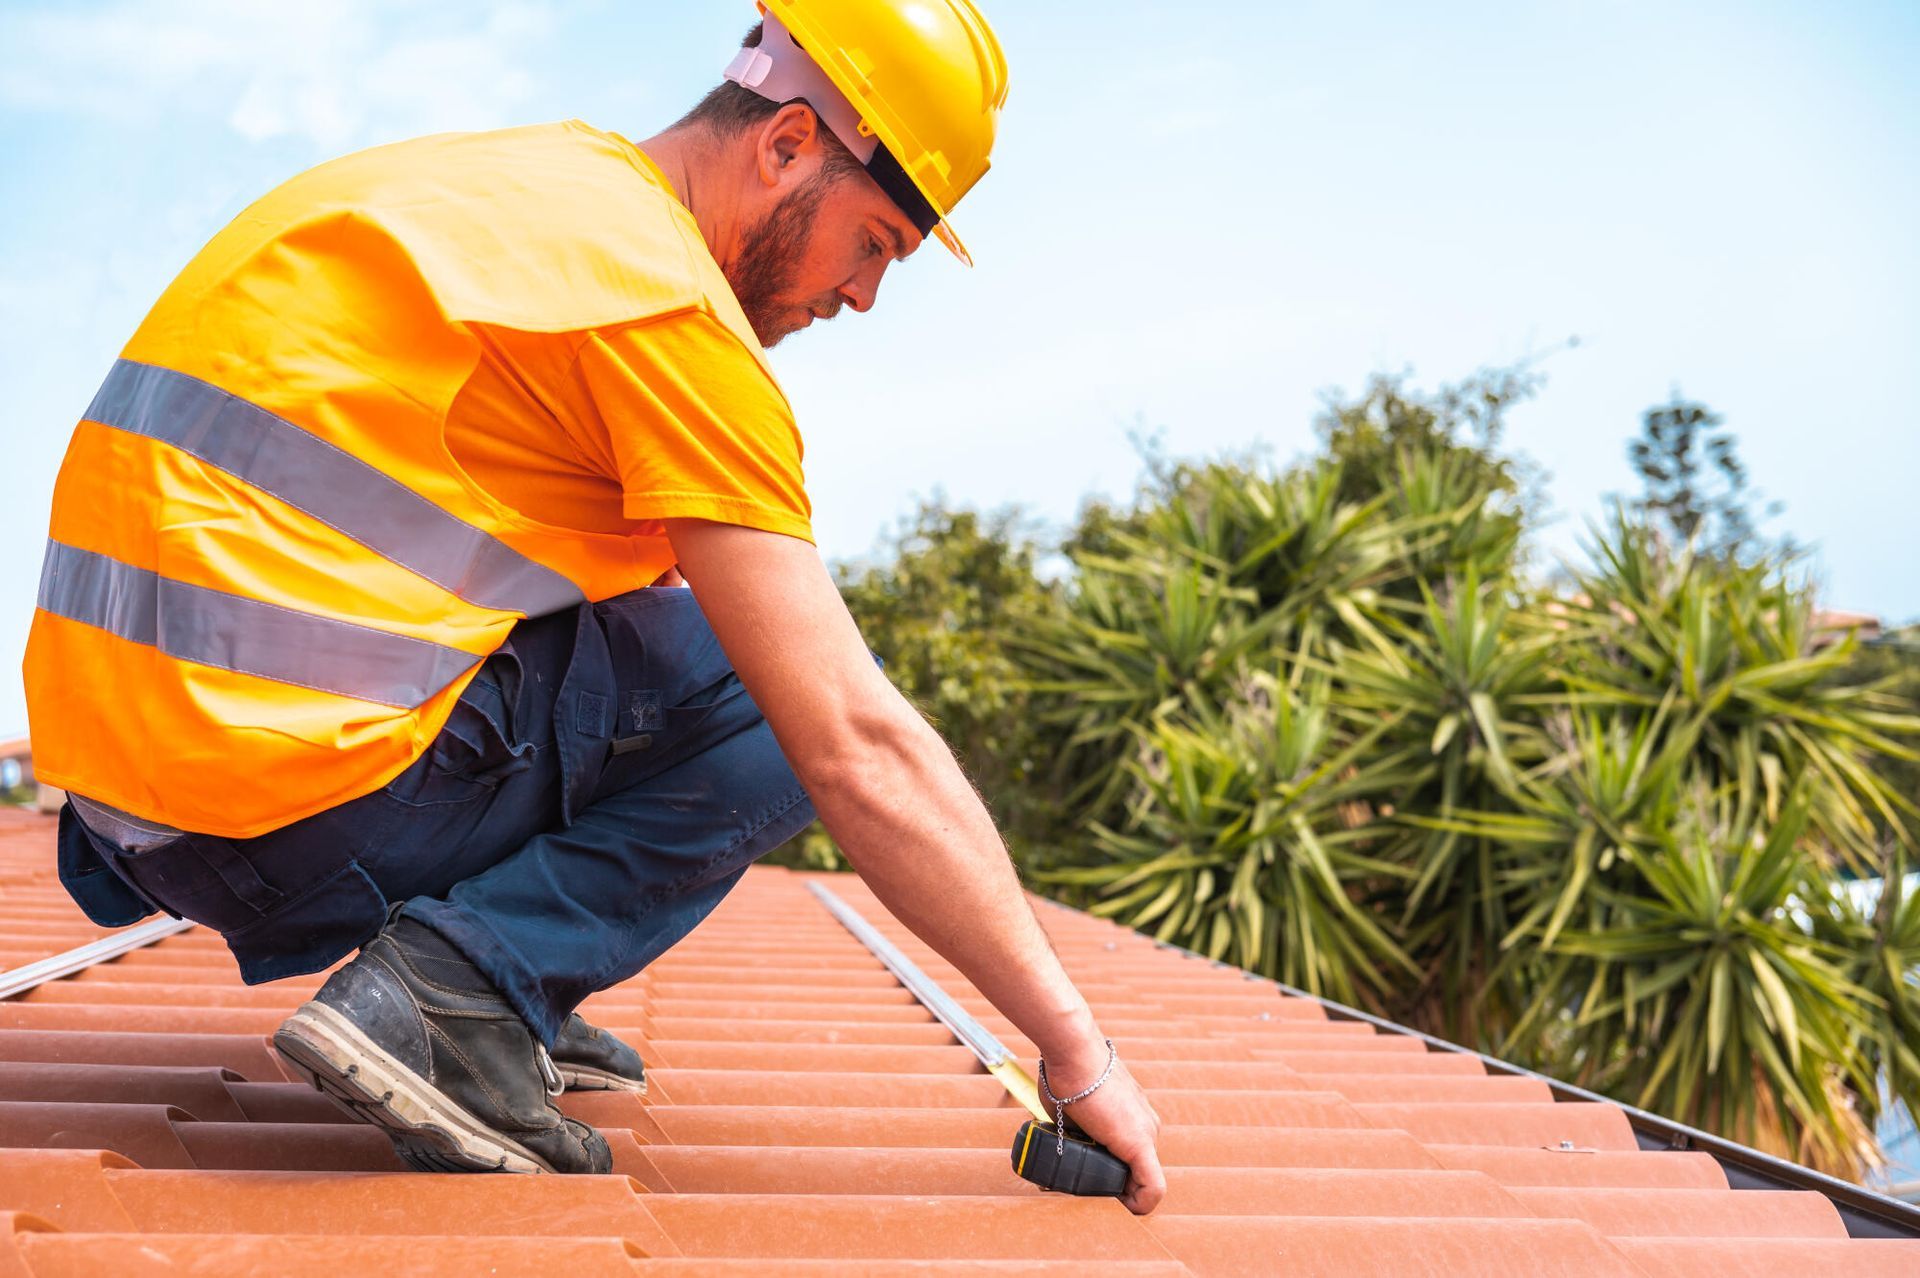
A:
{"x":865,"y":752}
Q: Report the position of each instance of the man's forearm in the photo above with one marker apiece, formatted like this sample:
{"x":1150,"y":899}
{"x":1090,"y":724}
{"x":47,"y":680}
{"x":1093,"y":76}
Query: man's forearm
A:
{"x":920,"y":837}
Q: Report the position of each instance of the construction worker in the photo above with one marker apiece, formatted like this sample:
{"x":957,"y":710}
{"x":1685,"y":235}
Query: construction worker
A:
{"x":363,"y":623}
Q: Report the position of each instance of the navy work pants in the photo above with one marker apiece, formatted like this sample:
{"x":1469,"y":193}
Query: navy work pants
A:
{"x":598,"y":788}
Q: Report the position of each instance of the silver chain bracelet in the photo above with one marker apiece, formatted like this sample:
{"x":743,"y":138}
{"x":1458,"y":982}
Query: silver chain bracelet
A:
{"x":1060,"y":1106}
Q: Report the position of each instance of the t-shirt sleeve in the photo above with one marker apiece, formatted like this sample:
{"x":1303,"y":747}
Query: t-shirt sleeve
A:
{"x":698,"y":427}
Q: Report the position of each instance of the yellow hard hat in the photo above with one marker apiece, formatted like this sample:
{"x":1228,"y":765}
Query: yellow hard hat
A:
{"x":920,"y":85}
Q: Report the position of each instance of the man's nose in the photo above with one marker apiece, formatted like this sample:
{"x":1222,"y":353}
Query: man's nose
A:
{"x":864,"y":287}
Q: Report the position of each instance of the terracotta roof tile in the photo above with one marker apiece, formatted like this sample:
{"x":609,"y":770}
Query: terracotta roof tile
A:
{"x":807,"y":1116}
{"x":49,"y":1255}
{"x":1768,"y":1258}
{"x":1634,"y":1213}
{"x":1322,"y":1247}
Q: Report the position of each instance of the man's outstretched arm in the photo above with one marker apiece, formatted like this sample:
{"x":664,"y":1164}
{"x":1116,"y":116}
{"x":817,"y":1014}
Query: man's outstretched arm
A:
{"x":897,"y":803}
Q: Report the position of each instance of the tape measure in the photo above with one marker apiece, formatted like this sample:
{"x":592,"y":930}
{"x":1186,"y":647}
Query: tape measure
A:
{"x":1068,"y":1162}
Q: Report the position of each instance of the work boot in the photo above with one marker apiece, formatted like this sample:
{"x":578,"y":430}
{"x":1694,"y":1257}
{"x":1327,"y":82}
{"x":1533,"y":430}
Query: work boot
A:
{"x":411,"y":1037}
{"x":591,"y":1060}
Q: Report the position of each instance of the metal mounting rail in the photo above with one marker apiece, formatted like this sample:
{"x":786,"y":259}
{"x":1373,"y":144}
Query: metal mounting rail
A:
{"x":1865,"y":1213}
{"x":992,"y":1052}
{"x":22,"y":979}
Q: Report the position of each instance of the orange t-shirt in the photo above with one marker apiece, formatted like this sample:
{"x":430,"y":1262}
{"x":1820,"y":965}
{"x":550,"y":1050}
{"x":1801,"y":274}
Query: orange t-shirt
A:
{"x":611,"y":430}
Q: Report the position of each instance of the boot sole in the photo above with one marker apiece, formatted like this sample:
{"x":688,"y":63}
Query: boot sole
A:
{"x":430,"y":1131}
{"x":585,"y":1078}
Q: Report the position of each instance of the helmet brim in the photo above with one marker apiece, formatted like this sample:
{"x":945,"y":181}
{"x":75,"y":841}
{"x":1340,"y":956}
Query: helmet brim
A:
{"x":944,"y":232}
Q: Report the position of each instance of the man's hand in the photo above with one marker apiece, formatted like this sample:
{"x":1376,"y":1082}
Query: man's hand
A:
{"x":1119,"y":1116}
{"x":896,"y":802}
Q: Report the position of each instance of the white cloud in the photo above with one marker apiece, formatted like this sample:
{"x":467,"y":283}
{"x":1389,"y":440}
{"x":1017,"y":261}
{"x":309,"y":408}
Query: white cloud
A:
{"x":334,"y":74}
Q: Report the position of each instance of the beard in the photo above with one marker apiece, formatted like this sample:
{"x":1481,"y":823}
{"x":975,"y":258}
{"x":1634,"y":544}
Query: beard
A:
{"x":769,"y":251}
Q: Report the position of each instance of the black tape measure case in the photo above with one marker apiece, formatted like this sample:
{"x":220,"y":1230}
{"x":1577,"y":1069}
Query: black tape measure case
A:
{"x":1069,"y":1165}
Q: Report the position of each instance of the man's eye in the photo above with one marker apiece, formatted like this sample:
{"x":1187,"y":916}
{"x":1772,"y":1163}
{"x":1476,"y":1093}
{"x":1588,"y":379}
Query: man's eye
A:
{"x":873,"y":247}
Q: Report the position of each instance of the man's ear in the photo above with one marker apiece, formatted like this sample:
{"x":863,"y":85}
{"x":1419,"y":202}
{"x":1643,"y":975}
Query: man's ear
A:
{"x":789,"y":138}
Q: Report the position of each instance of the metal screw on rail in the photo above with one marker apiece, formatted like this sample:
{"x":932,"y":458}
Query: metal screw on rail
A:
{"x":1063,"y":1158}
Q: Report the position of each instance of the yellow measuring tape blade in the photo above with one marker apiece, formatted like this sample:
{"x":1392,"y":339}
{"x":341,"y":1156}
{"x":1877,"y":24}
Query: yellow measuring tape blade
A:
{"x":998,"y":1061}
{"x":1020,"y":1086}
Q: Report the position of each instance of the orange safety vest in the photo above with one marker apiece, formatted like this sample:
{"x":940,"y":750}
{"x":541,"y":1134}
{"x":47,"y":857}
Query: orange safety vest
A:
{"x":268,"y":580}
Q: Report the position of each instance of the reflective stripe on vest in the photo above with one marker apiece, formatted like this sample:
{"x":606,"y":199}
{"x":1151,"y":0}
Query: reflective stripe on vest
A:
{"x":335,"y":487}
{"x":212,"y":628}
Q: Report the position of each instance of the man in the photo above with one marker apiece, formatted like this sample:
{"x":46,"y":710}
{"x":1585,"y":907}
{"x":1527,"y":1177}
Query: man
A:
{"x":346,"y":635}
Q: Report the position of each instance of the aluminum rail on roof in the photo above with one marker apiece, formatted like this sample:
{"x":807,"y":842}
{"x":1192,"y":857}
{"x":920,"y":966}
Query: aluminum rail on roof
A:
{"x":22,"y":979}
{"x":992,"y":1052}
{"x":1865,"y":1213}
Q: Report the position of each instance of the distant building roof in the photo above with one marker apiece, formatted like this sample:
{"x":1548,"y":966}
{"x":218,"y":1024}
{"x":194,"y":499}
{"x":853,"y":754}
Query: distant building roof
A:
{"x":1830,"y":625}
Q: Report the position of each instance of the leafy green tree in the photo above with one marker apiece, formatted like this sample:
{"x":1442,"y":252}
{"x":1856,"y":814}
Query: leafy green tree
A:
{"x":1462,"y":425}
{"x":1888,"y":669}
{"x":1695,"y":488}
{"x":1691,"y":985}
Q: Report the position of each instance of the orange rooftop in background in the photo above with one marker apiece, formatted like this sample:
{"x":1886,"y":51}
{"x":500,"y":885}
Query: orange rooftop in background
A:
{"x":807,"y":1116}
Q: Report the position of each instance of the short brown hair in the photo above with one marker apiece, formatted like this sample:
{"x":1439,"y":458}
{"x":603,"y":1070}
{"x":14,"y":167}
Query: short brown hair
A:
{"x":729,"y":110}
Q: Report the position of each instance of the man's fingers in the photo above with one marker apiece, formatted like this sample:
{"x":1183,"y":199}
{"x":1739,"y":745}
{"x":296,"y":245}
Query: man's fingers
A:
{"x":1147,"y":1182}
{"x":1147,"y":1185}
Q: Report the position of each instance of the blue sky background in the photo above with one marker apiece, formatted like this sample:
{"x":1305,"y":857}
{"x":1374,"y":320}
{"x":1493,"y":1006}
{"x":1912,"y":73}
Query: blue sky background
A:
{"x":1201,"y":216}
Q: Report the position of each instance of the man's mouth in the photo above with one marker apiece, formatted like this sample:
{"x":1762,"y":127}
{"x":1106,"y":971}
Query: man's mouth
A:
{"x":818,"y":311}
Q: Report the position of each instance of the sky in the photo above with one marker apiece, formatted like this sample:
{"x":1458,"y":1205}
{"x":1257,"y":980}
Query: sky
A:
{"x":1202,"y":219}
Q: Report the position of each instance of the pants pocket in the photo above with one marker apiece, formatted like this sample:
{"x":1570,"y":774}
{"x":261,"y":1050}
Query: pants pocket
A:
{"x":102,"y":895}
{"x":198,"y":876}
{"x":476,"y":748}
